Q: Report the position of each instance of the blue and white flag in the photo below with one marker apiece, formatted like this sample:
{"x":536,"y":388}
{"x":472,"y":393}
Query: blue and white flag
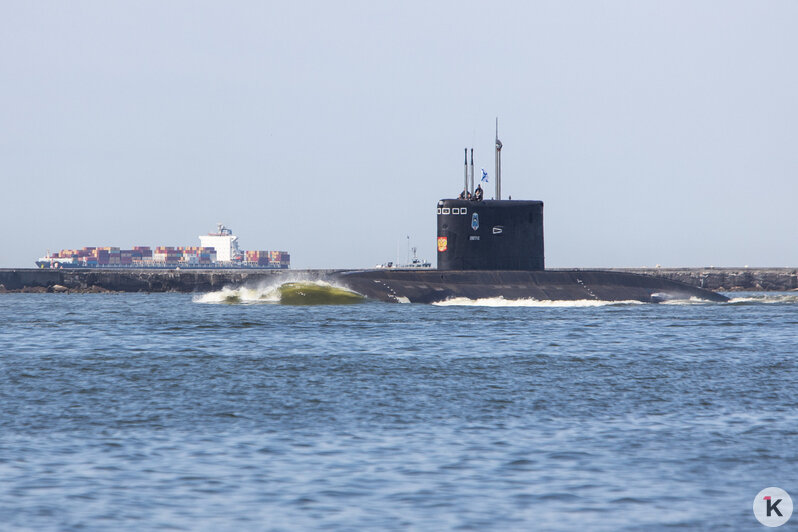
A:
{"x":484,"y":176}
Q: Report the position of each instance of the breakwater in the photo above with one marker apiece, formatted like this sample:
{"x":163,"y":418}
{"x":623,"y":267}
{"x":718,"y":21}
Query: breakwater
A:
{"x":728,"y":279}
{"x":138,"y":280}
{"x":141,"y":280}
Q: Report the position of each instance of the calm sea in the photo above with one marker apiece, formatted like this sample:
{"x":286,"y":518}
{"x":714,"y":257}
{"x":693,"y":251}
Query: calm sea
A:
{"x":167,"y":411}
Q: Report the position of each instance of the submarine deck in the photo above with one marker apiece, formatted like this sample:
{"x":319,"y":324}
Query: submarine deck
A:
{"x":554,"y":285}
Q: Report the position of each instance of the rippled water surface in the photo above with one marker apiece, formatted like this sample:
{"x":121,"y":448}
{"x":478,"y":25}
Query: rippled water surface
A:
{"x":160,"y":411}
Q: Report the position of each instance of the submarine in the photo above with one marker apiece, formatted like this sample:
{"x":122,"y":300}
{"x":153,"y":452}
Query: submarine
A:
{"x":494,"y":248}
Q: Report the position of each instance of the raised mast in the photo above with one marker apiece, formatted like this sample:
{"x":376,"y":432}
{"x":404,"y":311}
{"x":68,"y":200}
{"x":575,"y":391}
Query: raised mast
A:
{"x":472,"y":170}
{"x":498,"y":163}
{"x":465,"y":169}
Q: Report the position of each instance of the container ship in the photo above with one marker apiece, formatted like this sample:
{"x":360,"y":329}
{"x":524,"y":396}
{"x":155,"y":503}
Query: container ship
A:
{"x":217,"y":250}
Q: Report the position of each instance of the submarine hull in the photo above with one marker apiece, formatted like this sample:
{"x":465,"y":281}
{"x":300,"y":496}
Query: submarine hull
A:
{"x":431,"y":286}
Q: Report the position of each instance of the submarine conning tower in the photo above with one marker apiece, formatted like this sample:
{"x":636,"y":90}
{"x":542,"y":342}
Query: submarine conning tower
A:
{"x":489,"y":234}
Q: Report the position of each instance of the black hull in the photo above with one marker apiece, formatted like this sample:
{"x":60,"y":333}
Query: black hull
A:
{"x":556,"y":285}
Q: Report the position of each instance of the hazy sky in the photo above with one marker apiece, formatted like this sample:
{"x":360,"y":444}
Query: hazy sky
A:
{"x":655,"y":132}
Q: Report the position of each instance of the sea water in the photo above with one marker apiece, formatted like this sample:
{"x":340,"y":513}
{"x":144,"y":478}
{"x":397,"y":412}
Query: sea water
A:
{"x":178,"y":412}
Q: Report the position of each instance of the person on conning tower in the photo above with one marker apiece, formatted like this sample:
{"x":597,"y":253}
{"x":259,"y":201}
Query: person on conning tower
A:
{"x":478,"y":193}
{"x":462,"y":195}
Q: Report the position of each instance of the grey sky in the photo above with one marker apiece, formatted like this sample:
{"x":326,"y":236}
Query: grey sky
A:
{"x":655,"y":132}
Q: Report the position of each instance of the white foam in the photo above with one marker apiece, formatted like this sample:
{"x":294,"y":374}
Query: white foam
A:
{"x":501,"y":302}
{"x":765,"y":299}
{"x":691,"y":301}
{"x":243,"y":294}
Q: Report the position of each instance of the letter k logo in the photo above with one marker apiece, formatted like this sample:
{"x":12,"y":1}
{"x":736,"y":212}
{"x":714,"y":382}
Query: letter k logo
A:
{"x":772,"y":506}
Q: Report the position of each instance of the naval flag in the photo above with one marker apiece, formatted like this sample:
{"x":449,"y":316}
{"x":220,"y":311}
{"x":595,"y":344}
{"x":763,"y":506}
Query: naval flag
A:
{"x":484,"y":176}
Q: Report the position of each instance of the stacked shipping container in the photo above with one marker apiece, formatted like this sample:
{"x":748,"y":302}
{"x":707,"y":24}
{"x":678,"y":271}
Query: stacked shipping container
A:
{"x":274,"y":259}
{"x":166,"y":256}
{"x":198,"y":255}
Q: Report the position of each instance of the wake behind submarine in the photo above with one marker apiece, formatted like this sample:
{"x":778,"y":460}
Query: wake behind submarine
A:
{"x":494,"y":248}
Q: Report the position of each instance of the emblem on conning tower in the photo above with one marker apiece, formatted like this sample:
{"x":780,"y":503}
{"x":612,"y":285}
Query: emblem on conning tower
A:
{"x":475,"y":221}
{"x":443,"y":243}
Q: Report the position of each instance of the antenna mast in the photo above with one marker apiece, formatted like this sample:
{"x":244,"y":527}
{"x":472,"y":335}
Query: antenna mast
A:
{"x":498,"y":163}
{"x":465,"y":168}
{"x":472,"y":170}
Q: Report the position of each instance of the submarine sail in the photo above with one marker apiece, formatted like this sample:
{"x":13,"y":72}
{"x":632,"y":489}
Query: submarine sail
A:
{"x":477,"y":234}
{"x":490,"y":235}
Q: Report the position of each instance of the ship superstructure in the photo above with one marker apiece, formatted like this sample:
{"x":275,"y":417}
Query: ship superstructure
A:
{"x":216,"y":250}
{"x":413,"y":264}
{"x":225,"y":244}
